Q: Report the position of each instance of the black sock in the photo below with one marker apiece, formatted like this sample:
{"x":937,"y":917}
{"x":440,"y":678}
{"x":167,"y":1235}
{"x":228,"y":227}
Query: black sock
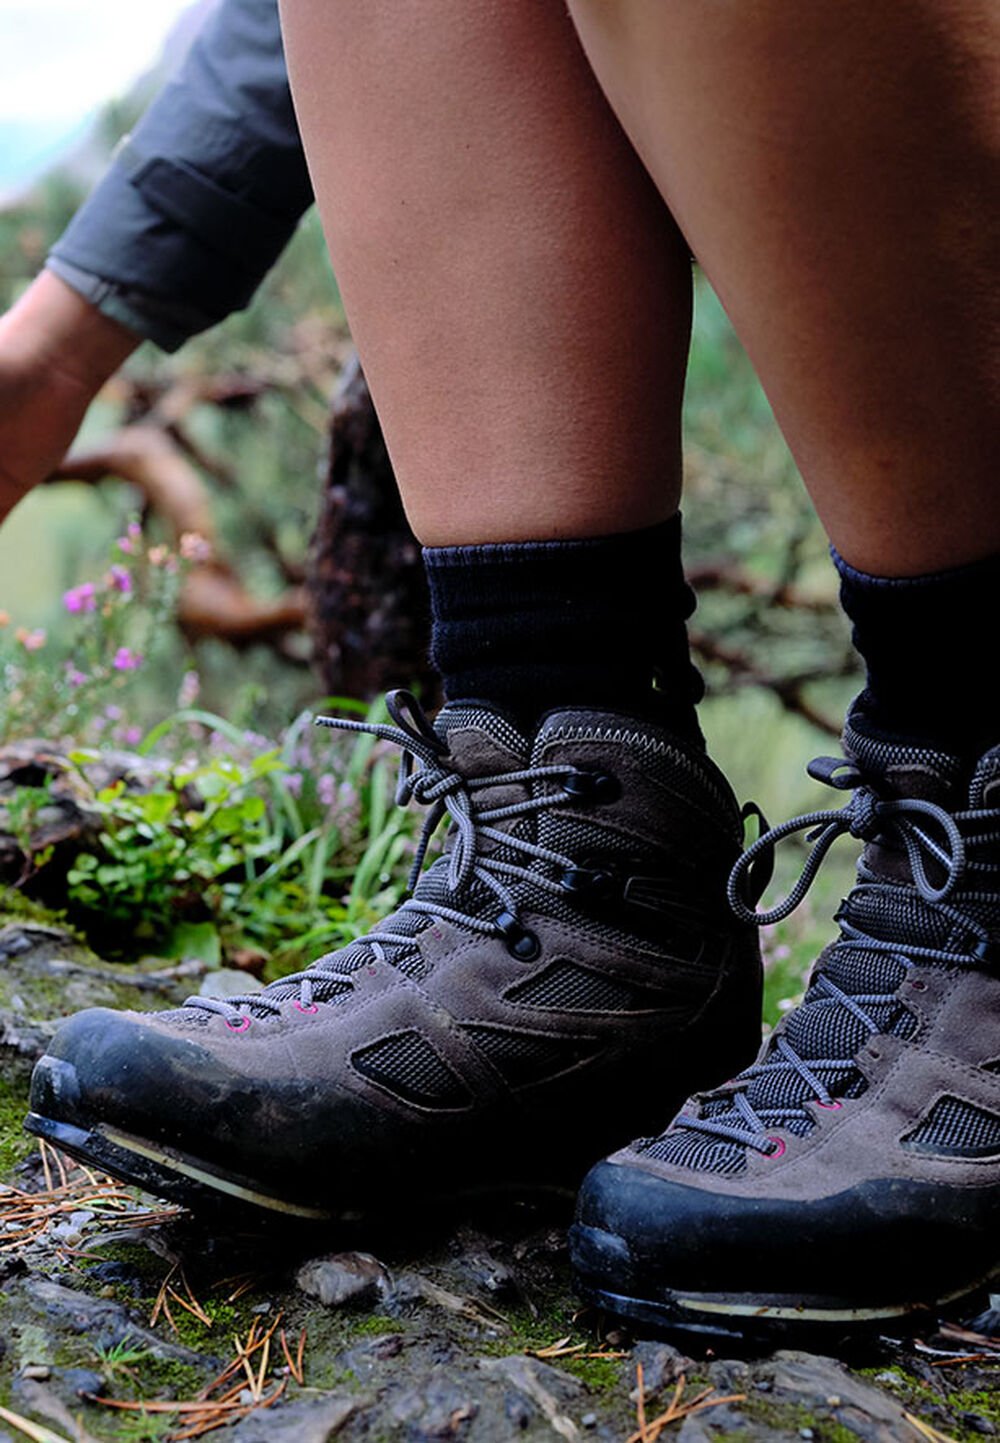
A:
{"x":538,"y":625}
{"x":927,"y":645}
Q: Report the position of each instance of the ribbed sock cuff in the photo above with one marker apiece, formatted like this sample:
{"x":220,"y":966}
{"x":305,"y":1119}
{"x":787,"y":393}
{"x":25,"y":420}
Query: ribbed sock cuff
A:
{"x":531,"y":626}
{"x":927,"y":644}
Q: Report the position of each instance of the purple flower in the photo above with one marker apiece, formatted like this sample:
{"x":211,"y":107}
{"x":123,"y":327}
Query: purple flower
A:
{"x":293,"y":783}
{"x":126,"y":660}
{"x":113,"y":713}
{"x":75,"y":677}
{"x":120,"y":579}
{"x":80,"y":598}
{"x":132,"y":736}
{"x":326,"y":789}
{"x":126,"y":545}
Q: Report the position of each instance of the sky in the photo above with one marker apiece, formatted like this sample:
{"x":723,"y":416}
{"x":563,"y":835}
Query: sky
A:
{"x":59,"y":61}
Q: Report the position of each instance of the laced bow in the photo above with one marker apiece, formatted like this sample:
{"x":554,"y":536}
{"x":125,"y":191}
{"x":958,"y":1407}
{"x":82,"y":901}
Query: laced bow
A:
{"x":428,"y":777}
{"x":937,"y":846}
{"x":866,"y":816}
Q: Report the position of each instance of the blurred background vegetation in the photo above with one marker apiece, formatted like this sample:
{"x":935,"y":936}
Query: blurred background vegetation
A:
{"x":769,"y":638}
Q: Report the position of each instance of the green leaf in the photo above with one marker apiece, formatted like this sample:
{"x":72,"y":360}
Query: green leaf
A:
{"x":192,"y":941}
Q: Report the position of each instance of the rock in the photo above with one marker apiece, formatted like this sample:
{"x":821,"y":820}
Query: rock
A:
{"x":106,"y":1323}
{"x":345,"y":1279}
{"x":828,"y":1387}
{"x":414,"y":1287}
{"x":518,"y":1411}
{"x":440,"y":1410}
{"x":548,"y":1388}
{"x":976,"y":1423}
{"x":302,"y":1421}
{"x":661,"y":1366}
{"x":694,"y":1430}
{"x":228,"y":982}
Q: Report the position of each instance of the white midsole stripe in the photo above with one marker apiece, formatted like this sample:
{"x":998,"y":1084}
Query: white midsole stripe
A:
{"x":173,"y":1163}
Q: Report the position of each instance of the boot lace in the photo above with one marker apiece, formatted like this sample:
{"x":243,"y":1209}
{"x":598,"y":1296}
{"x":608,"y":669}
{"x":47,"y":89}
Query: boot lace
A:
{"x":428,"y":777}
{"x":956,"y":876}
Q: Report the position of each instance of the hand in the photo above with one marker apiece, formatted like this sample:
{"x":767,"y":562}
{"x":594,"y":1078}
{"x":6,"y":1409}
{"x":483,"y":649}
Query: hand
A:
{"x":56,"y":352}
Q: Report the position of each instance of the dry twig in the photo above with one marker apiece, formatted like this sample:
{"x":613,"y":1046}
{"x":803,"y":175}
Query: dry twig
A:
{"x":649,"y":1429}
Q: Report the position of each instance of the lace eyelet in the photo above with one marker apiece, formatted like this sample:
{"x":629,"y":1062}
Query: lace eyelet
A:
{"x":592,"y":787}
{"x":918,"y":986}
{"x":520,"y":943}
{"x":778,"y":1150}
{"x":301,"y":1007}
{"x":588,"y":882}
{"x":832,"y":1106}
{"x":240,"y":1026}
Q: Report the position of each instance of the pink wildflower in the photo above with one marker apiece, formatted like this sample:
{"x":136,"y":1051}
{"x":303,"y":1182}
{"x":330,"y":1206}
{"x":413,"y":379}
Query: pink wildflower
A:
{"x":195,"y":547}
{"x":293,"y":783}
{"x":126,"y":545}
{"x":158,"y":555}
{"x":30,"y":640}
{"x":126,"y":660}
{"x":120,"y":579}
{"x":132,"y":736}
{"x":80,"y":598}
{"x":326,"y":789}
{"x":74,"y":676}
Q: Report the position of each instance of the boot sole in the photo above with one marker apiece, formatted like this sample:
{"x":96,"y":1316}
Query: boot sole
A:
{"x":192,"y":1183}
{"x":163,"y":1171}
{"x":756,"y":1318}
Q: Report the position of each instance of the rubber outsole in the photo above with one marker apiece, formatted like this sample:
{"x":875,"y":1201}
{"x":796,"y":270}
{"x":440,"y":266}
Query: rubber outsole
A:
{"x":168,"y":1173}
{"x":751,"y":1319}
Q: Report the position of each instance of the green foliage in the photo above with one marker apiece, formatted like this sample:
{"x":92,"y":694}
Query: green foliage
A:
{"x":165,"y":853}
{"x":234,"y":847}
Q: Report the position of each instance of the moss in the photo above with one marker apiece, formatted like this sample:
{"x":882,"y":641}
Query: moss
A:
{"x":374,"y":1326}
{"x":793,"y":1417}
{"x":16,"y":907}
{"x":15,"y":1144}
{"x":601,"y":1375}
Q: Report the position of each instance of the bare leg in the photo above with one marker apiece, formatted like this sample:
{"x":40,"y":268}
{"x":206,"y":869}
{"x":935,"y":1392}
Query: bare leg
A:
{"x":519,"y":293}
{"x":835,"y":169}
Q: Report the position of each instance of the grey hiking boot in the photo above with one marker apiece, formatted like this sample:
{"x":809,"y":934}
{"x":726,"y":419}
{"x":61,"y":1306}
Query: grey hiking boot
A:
{"x":571,"y":942}
{"x":851,"y":1177}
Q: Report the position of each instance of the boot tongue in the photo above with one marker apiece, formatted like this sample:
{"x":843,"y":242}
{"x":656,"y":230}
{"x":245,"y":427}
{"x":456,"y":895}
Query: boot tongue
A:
{"x":484,"y":743}
{"x":899,"y":770}
{"x":481,"y":742}
{"x":984,"y":790}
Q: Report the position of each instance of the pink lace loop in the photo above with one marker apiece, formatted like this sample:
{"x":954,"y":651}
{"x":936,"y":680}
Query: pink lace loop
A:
{"x":301,"y":1007}
{"x":777,"y":1150}
{"x":240,"y":1026}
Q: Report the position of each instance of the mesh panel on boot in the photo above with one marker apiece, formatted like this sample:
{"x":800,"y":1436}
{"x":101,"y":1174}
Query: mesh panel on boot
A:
{"x":523,"y":1057}
{"x":957,"y":1129}
{"x":408,"y":1065}
{"x":571,"y":988}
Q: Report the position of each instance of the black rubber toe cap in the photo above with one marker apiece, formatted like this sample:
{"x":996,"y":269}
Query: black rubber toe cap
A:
{"x":636,"y":1230}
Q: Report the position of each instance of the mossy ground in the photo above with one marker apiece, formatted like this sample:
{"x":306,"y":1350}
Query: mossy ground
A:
{"x":15,"y":1144}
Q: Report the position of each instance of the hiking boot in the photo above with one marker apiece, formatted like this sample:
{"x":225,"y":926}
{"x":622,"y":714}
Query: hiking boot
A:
{"x":573,"y":937}
{"x":851,"y":1176}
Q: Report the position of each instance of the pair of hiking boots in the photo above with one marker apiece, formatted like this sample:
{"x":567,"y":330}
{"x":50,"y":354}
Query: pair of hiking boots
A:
{"x":563,"y":976}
